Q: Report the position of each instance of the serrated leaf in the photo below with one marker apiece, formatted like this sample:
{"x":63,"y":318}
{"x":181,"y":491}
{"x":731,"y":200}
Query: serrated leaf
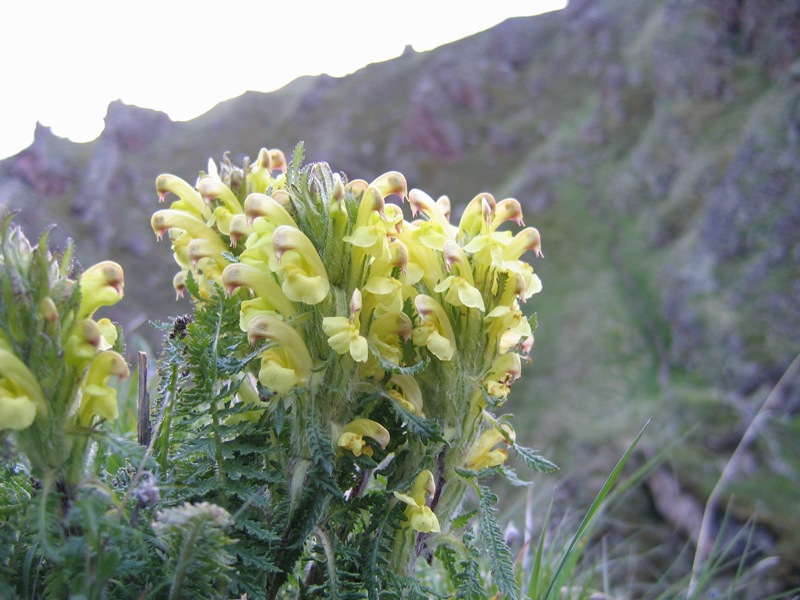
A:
{"x":512,"y":477}
{"x":500,"y":560}
{"x":321,"y":447}
{"x":191,"y":286}
{"x":427,"y":430}
{"x":463,"y":520}
{"x":534,"y":460}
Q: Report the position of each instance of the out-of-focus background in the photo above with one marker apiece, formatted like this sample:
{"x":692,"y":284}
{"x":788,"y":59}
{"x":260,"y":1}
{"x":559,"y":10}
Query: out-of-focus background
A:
{"x":656,"y":146}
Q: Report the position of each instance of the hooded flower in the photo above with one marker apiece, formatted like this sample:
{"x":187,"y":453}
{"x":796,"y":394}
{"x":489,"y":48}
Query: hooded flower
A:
{"x":484,"y":455}
{"x":287,"y":364}
{"x":21,"y":397}
{"x":433,"y":328}
{"x":420,"y":517}
{"x":407,"y":393}
{"x":304,"y":277}
{"x":83,"y":344}
{"x":97,"y":398}
{"x":277,"y":372}
{"x":101,"y":285}
{"x":354,"y":433}
{"x":344,"y":334}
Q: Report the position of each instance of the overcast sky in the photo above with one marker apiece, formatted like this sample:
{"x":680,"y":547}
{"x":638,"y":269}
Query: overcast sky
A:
{"x":64,"y":61}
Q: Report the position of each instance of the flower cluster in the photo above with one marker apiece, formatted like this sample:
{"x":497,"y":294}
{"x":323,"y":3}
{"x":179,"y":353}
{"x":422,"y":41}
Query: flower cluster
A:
{"x":346,"y":295}
{"x":55,"y":358}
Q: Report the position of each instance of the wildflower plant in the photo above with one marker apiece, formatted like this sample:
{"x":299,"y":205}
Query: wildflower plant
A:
{"x":337,"y":388}
{"x":57,"y":362}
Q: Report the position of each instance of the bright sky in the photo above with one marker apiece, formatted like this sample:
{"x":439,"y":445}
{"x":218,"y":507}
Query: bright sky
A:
{"x":64,"y":61}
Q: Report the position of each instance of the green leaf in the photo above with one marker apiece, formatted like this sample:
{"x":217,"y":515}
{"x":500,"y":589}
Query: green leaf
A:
{"x":534,"y":460}
{"x":321,"y":447}
{"x":499,"y":554}
{"x":512,"y":477}
{"x":191,"y":286}
{"x":427,"y":430}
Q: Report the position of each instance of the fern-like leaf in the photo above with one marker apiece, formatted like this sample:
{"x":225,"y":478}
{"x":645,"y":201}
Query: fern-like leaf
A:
{"x":498,"y":553}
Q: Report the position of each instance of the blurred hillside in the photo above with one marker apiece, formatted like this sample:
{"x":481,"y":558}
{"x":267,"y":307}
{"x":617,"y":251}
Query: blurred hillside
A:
{"x":656,"y":146}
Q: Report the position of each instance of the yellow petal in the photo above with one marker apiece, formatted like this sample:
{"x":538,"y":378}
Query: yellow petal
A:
{"x":355,"y":443}
{"x":98,"y":400}
{"x":287,"y":339}
{"x":440,"y":346}
{"x":277,"y":372}
{"x":424,"y":485}
{"x":359,"y":349}
{"x":211,"y":188}
{"x":190,"y":200}
{"x":369,"y":428}
{"x":16,"y":411}
{"x":425,"y":521}
{"x":22,"y":380}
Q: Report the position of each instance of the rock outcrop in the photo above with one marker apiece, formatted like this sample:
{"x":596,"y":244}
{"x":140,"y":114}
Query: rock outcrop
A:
{"x":655,"y":145}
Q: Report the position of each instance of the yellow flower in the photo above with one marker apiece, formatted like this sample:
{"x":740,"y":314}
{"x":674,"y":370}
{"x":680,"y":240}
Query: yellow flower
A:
{"x":387,"y":333}
{"x":387,"y":293}
{"x":483,"y":455}
{"x":352,"y":438}
{"x":371,"y":227}
{"x":273,"y":212}
{"x":508,"y":209}
{"x":278,"y":373}
{"x":168,"y":219}
{"x":390,"y":183}
{"x":527,"y":239}
{"x":18,"y":382}
{"x":344,"y":335}
{"x":261,"y":282}
{"x":505,"y":370}
{"x":211,"y":188}
{"x":97,"y":398}
{"x":179,"y":284}
{"x":290,"y":353}
{"x":422,"y":202}
{"x":238,"y":228}
{"x":82,"y":344}
{"x":420,"y":516}
{"x":477,"y":216}
{"x":259,"y":178}
{"x":304,"y":277}
{"x":433,"y":328}
{"x":108,"y":333}
{"x":407,"y":393}
{"x":459,"y":292}
{"x":190,"y":201}
{"x":17,"y":411}
{"x":101,"y":285}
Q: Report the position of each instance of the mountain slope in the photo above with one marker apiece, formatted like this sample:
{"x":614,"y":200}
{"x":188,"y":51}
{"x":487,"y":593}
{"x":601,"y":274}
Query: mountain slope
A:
{"x":654,"y":144}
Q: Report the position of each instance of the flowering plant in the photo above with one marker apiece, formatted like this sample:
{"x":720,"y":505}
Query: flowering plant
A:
{"x":372,"y":354}
{"x":56,"y":360}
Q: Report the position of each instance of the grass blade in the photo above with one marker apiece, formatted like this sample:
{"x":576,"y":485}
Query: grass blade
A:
{"x":598,"y":502}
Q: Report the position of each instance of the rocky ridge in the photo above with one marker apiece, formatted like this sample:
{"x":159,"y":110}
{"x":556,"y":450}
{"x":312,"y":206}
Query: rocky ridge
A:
{"x":655,"y":145}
